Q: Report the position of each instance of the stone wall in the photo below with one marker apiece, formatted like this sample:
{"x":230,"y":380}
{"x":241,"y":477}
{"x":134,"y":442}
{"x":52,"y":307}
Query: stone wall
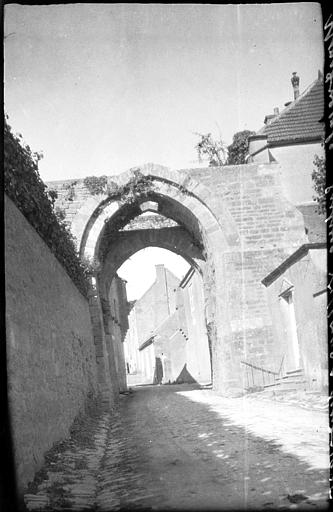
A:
{"x":266,"y":228}
{"x":246,"y":225}
{"x":50,"y":351}
{"x":119,"y":325}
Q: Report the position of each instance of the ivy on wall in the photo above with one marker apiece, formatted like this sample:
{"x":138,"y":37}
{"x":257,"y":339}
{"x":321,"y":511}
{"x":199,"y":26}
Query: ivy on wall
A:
{"x":70,"y":187}
{"x":96,"y":184}
{"x":319,"y":183}
{"x":137,"y":187}
{"x":26,"y":189}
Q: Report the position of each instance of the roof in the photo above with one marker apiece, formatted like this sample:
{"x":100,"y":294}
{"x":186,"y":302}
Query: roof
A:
{"x":187,"y":277}
{"x":301,"y":120}
{"x":295,"y":256}
{"x":147,"y":342}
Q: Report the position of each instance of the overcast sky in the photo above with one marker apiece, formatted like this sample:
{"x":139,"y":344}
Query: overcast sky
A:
{"x":100,"y":88}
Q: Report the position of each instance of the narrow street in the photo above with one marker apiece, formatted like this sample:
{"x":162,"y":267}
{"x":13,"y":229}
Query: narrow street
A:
{"x":182,"y":447}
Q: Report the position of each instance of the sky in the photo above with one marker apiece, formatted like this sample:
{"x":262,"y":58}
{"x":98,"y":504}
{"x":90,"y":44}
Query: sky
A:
{"x":139,"y":270}
{"x":101,"y":88}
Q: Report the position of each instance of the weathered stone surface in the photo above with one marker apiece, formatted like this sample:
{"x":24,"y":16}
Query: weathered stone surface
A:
{"x":50,"y":351}
{"x":246,"y":226}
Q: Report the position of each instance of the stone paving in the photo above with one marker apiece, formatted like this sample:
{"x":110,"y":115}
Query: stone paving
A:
{"x":69,"y":477}
{"x":180,"y":447}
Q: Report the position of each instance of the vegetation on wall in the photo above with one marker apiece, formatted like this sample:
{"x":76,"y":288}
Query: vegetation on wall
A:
{"x":319,"y":182}
{"x":70,"y":187}
{"x":26,"y":189}
{"x":96,"y":184}
{"x":138,"y":186}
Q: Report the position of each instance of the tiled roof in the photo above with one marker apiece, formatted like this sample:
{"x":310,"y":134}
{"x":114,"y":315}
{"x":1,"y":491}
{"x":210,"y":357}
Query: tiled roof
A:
{"x":300,"y":120}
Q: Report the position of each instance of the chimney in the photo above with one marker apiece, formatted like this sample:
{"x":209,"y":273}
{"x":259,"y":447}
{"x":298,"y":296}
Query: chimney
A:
{"x":276,"y":111}
{"x":295,"y":84}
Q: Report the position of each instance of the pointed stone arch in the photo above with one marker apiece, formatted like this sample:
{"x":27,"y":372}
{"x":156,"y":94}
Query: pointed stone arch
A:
{"x":246,"y":227}
{"x":178,"y":185}
{"x":186,"y":201}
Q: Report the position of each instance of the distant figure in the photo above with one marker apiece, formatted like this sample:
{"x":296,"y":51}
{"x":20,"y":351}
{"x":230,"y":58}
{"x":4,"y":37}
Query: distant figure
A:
{"x":128,"y":368}
{"x":158,"y":371}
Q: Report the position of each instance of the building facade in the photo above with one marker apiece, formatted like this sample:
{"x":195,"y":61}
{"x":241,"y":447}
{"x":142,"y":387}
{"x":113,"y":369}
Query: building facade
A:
{"x":296,"y":288}
{"x":292,"y":138}
{"x":167,"y":337}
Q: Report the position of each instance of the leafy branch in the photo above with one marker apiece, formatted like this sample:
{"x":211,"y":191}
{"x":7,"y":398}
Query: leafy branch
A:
{"x":213,"y":150}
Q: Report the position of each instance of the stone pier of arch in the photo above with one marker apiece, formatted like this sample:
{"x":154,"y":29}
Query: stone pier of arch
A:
{"x":234,"y":225}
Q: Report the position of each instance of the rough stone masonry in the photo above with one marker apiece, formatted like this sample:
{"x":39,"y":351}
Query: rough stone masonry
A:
{"x":245,"y":226}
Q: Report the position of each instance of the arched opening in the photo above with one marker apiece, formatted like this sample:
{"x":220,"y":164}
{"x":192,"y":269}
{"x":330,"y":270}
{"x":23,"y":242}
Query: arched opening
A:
{"x":166,"y":336}
{"x":166,"y":340}
{"x":111,"y":236}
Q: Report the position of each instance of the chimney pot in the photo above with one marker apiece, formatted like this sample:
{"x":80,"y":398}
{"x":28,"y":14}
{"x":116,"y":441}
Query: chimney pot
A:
{"x":295,"y":84}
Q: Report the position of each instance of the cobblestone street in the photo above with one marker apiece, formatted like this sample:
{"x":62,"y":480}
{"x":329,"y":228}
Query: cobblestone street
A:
{"x":181,"y":447}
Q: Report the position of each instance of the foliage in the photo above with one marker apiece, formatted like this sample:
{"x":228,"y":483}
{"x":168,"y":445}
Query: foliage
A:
{"x":70,"y":187}
{"x":60,"y":214}
{"x":137,"y":187}
{"x":319,"y":182}
{"x":91,"y":265}
{"x":26,"y":189}
{"x":214,"y":150}
{"x":238,"y":149}
{"x":96,"y":184}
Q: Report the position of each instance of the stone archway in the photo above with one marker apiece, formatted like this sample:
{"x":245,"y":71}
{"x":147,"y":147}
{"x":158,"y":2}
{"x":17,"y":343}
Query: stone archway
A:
{"x":177,"y":196}
{"x":177,"y":185}
{"x":246,"y":228}
{"x":123,"y":245}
